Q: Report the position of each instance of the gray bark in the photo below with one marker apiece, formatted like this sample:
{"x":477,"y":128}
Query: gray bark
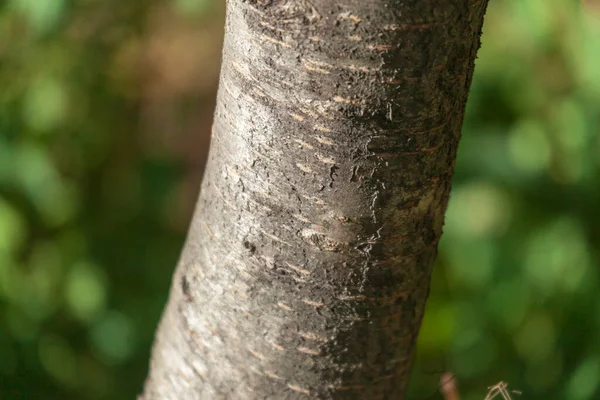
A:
{"x":308,"y":260}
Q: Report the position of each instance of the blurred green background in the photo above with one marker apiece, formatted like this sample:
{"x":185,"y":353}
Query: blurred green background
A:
{"x":105,"y":114}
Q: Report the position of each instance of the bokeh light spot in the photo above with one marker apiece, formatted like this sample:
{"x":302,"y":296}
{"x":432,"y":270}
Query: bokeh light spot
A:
{"x":86,"y":291}
{"x":536,"y":339}
{"x":557,"y":256}
{"x":12,"y":228}
{"x":113,"y":337}
{"x":585,"y":380}
{"x":58,"y":359}
{"x":529,"y":147}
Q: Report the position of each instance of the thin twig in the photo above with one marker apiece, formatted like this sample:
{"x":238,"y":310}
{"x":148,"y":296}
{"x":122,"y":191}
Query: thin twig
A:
{"x":448,"y":386}
{"x":501,"y":388}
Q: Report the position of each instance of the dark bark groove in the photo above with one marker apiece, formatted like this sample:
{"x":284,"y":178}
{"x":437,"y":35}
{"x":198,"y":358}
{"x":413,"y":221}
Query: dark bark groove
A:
{"x":307,"y":265}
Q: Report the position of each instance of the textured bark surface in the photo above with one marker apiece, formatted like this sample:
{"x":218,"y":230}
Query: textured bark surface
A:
{"x":308,"y":261}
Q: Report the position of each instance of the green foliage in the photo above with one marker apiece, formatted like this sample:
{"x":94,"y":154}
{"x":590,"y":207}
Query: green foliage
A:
{"x":96,"y":193}
{"x":88,"y":235}
{"x":518,"y":262}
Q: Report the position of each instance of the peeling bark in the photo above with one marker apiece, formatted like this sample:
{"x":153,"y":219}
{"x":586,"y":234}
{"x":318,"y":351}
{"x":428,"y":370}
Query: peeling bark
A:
{"x":308,"y":260}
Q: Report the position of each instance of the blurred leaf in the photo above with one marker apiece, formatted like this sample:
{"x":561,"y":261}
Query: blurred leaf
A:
{"x":529,"y":147}
{"x":43,"y":15}
{"x":557,"y":258}
{"x":588,"y":60}
{"x":114,"y":337}
{"x":44,"y":279}
{"x":471,"y":261}
{"x":536,"y":339}
{"x":55,"y":201}
{"x":478,"y":209}
{"x":536,"y":17}
{"x":12,"y":228}
{"x":86,"y":291}
{"x":58,"y":359}
{"x":46,"y":104}
{"x":572,"y":128}
{"x":192,"y":7}
{"x":585,"y":380}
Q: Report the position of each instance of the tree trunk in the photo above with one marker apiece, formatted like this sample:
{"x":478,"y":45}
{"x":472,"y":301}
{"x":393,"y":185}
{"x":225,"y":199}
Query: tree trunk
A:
{"x":308,"y":261}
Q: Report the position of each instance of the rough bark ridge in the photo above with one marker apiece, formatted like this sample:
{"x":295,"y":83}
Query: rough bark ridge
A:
{"x":307,"y":265}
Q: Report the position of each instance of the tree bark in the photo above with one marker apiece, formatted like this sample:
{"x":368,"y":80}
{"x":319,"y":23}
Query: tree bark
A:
{"x":308,"y":260}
